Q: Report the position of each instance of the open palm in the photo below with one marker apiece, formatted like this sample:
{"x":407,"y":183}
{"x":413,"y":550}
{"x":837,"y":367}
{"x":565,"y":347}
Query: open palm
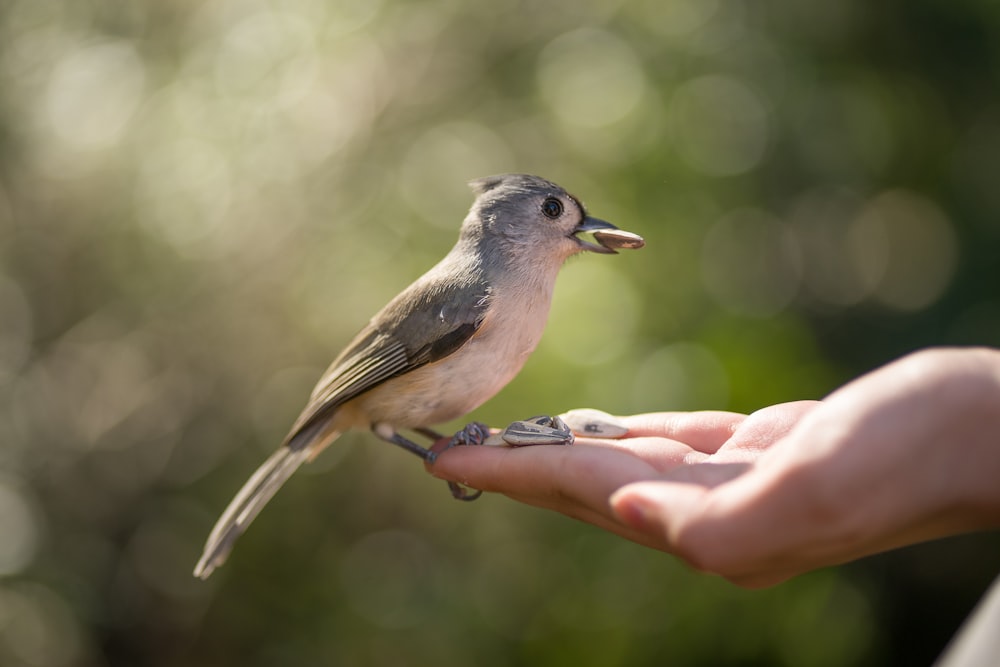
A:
{"x":903,"y":454}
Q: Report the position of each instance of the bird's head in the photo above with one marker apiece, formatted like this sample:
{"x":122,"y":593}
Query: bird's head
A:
{"x":531,"y":217}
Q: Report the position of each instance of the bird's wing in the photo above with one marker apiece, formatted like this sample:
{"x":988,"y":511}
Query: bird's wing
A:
{"x":435,"y":320}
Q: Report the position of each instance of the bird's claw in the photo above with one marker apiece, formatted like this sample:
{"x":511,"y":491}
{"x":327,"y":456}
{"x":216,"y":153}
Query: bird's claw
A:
{"x":473,"y":433}
{"x":459,"y":492}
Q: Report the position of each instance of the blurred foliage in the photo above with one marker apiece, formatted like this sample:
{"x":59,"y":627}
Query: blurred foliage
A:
{"x":201,"y":202}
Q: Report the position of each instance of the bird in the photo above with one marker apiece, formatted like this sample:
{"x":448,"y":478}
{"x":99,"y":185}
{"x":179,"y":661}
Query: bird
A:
{"x":442,"y":347}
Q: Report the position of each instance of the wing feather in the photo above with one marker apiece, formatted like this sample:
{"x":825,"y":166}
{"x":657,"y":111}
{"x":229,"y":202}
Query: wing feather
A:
{"x":438,"y":320}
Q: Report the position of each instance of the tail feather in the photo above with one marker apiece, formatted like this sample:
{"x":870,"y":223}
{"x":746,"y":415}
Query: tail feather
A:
{"x":247,"y":504}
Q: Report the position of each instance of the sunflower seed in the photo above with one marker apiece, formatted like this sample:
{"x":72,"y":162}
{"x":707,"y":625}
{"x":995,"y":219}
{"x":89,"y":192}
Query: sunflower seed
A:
{"x":594,"y":423}
{"x":618,"y":239}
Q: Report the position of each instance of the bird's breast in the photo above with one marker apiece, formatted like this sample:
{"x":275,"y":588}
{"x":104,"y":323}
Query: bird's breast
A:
{"x":464,"y":380}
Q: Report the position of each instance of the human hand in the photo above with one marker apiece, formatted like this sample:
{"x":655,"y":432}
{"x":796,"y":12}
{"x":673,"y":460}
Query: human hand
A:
{"x":907,"y":453}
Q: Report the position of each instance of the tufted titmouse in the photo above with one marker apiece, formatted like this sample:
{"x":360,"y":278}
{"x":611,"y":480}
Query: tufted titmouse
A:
{"x":443,"y":346}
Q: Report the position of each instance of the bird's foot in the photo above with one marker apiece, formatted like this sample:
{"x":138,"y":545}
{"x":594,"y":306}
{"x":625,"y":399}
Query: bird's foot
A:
{"x":541,"y":430}
{"x":473,"y":433}
{"x":459,"y":492}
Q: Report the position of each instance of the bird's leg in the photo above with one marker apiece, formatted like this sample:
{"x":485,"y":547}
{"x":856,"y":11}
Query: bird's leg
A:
{"x":472,"y":434}
{"x":389,"y":435}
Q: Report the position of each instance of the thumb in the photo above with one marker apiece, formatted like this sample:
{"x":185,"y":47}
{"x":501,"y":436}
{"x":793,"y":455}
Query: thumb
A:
{"x":657,"y":505}
{"x":705,"y":526}
{"x":656,"y":508}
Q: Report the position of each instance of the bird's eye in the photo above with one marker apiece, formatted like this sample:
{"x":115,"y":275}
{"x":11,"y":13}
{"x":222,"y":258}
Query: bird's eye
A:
{"x":552,"y":208}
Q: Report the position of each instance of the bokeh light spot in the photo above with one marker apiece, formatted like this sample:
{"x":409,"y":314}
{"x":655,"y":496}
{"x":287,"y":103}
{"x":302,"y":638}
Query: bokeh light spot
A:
{"x":438,"y":165}
{"x":183,"y":191}
{"x":820,"y":220}
{"x":751,"y":263}
{"x":268,"y":52}
{"x":904,"y":249}
{"x":676,"y":18}
{"x":594,"y":314}
{"x":15,"y":333}
{"x":37,"y":627}
{"x":843,"y":129}
{"x":680,"y":376}
{"x":92,"y":94}
{"x":19,"y":528}
{"x":350,"y":15}
{"x":719,"y":125}
{"x":590,"y":78}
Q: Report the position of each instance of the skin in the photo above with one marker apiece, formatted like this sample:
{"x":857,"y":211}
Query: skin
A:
{"x":907,"y":453}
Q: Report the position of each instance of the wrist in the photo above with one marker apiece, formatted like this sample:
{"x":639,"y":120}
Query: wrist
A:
{"x":969,"y":391}
{"x":984,"y":455}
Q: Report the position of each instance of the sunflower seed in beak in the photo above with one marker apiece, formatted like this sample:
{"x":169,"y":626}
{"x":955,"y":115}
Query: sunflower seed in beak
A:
{"x":618,"y":239}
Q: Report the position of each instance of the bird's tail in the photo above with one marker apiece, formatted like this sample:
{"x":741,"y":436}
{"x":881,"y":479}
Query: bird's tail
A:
{"x":247,"y":504}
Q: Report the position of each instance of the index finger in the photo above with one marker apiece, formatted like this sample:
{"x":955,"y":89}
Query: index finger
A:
{"x":582,"y":473}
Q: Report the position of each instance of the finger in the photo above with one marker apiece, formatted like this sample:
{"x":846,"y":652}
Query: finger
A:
{"x":671,"y":512}
{"x":583,"y":474}
{"x":642,"y":506}
{"x":662,"y":454}
{"x":704,"y":431}
{"x":646,"y":507}
{"x":708,"y":526}
{"x":763,"y":428}
{"x":730,"y":529}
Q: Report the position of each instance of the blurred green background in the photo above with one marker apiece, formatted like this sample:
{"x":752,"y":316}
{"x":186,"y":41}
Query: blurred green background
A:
{"x":201,"y":202}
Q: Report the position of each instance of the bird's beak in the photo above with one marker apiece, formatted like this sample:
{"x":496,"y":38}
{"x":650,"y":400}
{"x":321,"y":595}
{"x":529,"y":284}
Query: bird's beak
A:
{"x":590,"y":224}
